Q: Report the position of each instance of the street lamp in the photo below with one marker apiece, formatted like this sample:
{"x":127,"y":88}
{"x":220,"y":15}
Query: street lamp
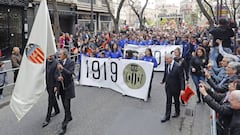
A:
{"x":91,"y":23}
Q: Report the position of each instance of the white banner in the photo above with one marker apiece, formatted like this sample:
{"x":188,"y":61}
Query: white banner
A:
{"x":158,"y":51}
{"x":129,"y":77}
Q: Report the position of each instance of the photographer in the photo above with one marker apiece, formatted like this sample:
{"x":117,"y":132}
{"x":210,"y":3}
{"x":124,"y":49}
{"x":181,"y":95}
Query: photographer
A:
{"x":223,"y":32}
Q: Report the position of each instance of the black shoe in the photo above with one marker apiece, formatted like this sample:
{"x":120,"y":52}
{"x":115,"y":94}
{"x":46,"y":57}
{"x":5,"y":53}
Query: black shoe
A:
{"x":62,"y":131}
{"x":149,"y":96}
{"x":70,"y":119}
{"x":175,"y":115}
{"x":54,"y":114}
{"x":199,"y":101}
{"x":45,"y":123}
{"x":165,"y":119}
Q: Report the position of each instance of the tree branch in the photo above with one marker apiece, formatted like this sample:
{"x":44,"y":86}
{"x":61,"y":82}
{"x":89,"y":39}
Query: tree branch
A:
{"x":209,"y":5}
{"x":145,"y":5}
{"x":120,"y":7}
{"x":229,"y":10}
{"x":205,"y":13}
{"x":131,"y":4}
{"x":109,"y":10}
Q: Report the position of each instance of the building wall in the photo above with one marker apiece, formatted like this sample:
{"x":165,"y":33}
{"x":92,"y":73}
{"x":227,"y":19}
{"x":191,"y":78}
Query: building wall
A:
{"x":12,"y":25}
{"x":75,"y":15}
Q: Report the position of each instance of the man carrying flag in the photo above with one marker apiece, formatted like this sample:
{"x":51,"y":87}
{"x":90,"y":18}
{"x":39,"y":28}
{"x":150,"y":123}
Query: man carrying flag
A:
{"x":31,"y":80}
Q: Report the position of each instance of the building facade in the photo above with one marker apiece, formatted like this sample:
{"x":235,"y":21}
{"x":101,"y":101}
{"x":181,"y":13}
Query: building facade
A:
{"x":102,"y":19}
{"x":187,"y":7}
{"x":75,"y":15}
{"x":13,"y":25}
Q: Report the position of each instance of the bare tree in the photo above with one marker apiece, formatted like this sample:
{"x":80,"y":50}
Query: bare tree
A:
{"x":56,"y":24}
{"x":117,"y":17}
{"x":139,"y":12}
{"x":211,"y":19}
{"x":232,"y":7}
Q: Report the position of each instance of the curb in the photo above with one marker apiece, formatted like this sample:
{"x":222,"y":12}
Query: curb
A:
{"x":5,"y":101}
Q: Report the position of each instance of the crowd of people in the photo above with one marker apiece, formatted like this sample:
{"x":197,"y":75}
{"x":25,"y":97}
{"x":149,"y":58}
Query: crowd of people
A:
{"x":207,"y":57}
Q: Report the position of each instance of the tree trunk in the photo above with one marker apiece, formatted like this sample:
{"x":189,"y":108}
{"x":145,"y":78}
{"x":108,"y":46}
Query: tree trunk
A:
{"x":141,"y":24}
{"x":56,"y":24}
{"x":115,"y":19}
{"x":205,"y":13}
{"x":116,"y":26}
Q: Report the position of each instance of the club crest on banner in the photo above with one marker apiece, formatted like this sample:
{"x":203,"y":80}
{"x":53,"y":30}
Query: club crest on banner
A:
{"x":34,"y":53}
{"x":134,"y":76}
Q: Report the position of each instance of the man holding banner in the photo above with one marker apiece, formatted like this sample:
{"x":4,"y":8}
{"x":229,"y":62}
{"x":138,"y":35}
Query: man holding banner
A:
{"x":175,"y":84}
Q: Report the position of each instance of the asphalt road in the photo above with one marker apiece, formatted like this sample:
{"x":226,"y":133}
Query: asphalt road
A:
{"x":99,"y":111}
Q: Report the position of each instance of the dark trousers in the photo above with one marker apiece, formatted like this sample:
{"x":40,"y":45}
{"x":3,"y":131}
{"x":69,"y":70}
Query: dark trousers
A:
{"x":186,"y":68}
{"x":1,"y":91}
{"x":15,"y":76}
{"x":235,"y":131}
{"x":66,"y":105}
{"x":150,"y":87}
{"x":196,"y":79}
{"x":52,"y":103}
{"x":169,"y":103}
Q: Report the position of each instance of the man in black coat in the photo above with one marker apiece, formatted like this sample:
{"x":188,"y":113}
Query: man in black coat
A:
{"x":175,"y":85}
{"x":219,"y":102}
{"x":224,"y":33}
{"x":66,"y":86}
{"x":234,"y":99}
{"x":51,"y":81}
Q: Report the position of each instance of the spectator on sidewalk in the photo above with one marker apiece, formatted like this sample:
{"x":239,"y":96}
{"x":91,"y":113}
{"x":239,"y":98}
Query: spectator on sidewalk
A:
{"x":218,"y":74}
{"x":220,"y":103}
{"x":16,"y":59}
{"x":232,"y":70}
{"x":62,"y":40}
{"x":224,"y":33}
{"x":225,"y":54}
{"x":3,"y":78}
{"x":234,"y":99}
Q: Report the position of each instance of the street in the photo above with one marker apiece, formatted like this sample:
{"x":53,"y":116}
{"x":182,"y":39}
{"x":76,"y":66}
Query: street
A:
{"x":99,"y":111}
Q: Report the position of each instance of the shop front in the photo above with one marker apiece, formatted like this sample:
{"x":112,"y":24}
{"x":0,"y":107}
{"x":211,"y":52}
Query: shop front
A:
{"x":12,"y":26}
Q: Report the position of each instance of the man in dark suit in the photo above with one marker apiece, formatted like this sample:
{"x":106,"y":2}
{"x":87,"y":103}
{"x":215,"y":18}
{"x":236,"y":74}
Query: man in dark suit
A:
{"x":175,"y":85}
{"x":51,"y":81}
{"x":66,"y":86}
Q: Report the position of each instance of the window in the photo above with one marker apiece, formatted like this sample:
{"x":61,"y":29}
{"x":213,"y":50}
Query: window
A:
{"x":87,"y":1}
{"x":105,"y":18}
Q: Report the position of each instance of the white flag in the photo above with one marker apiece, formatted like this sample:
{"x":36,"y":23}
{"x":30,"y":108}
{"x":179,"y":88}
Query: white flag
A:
{"x":30,"y":83}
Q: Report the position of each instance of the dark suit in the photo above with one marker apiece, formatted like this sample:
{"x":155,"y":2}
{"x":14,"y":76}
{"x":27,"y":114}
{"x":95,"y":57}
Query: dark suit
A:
{"x":67,"y":92}
{"x":174,"y":84}
{"x":51,"y":81}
